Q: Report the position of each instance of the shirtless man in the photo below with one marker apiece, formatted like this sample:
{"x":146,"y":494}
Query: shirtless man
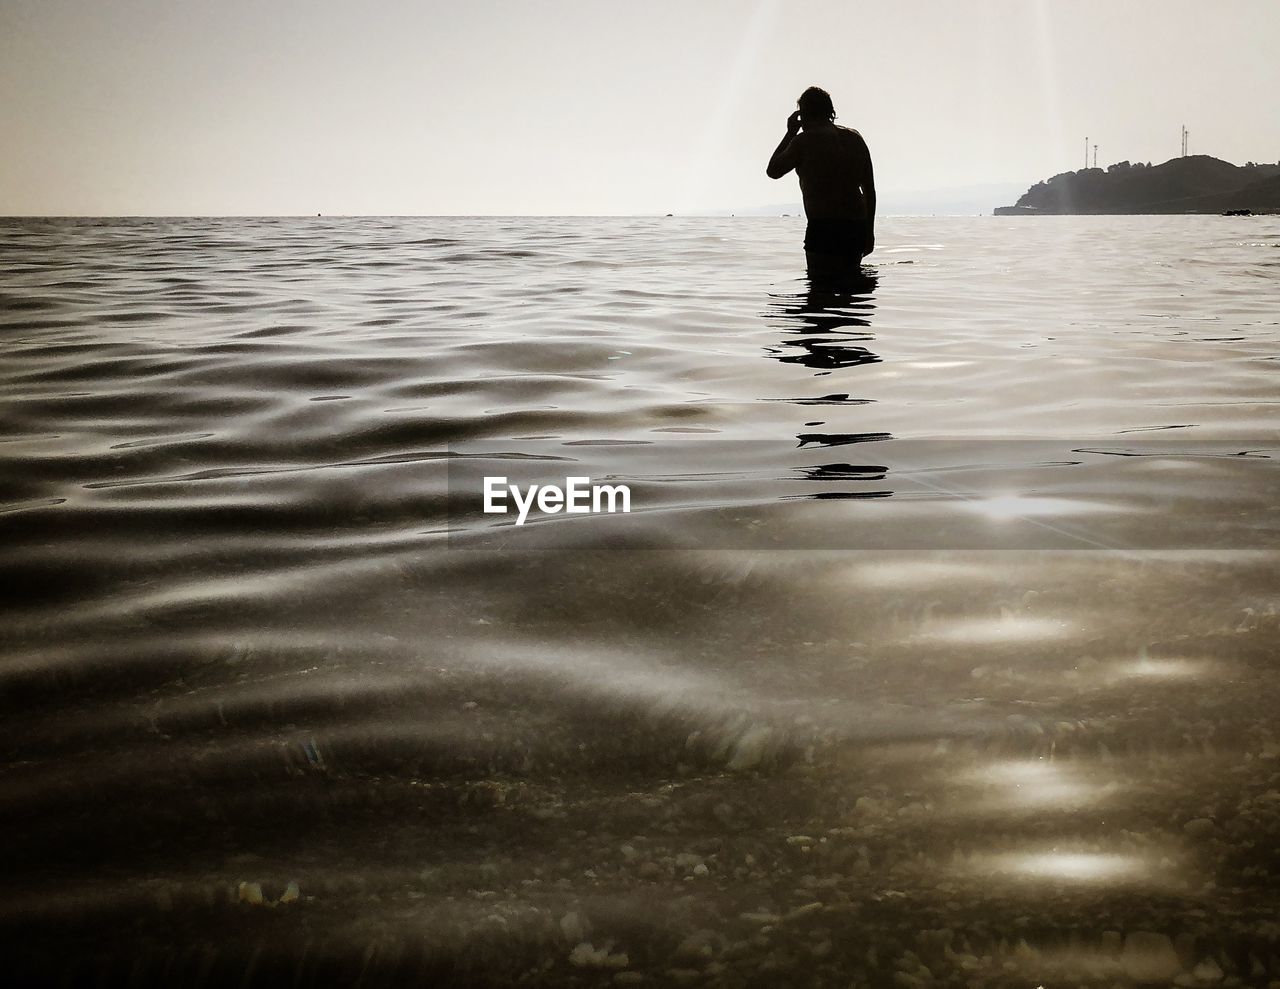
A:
{"x":836,"y":181}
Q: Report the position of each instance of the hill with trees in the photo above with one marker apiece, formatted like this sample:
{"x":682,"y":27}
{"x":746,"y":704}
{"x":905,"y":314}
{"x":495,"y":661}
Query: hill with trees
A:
{"x":1191,"y":184}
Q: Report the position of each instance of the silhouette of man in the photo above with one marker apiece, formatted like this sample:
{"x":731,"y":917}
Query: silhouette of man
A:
{"x":836,"y":181}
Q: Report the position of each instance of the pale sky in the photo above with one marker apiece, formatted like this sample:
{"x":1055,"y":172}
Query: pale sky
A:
{"x":595,"y":106}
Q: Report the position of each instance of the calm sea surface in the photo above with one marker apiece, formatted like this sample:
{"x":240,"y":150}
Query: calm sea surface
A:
{"x":938,"y":648}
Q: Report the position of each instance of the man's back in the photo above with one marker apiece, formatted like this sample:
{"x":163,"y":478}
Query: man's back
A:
{"x":834,"y":165}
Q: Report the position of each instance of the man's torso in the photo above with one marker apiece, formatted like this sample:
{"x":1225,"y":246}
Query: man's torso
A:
{"x":831,"y":166}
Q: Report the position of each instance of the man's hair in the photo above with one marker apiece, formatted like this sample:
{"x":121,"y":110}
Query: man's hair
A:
{"x":815,"y":102}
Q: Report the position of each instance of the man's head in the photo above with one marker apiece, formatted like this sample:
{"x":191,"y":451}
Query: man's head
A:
{"x":815,"y":107}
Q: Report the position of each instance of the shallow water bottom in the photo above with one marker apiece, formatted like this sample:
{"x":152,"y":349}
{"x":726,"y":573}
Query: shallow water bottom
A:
{"x":868,"y":769}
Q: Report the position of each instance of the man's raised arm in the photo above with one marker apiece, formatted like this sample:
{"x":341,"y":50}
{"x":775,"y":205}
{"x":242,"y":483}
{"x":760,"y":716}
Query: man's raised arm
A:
{"x":784,"y":155}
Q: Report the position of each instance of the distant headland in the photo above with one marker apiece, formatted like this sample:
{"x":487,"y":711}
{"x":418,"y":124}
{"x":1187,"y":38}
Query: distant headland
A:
{"x":1190,"y":184}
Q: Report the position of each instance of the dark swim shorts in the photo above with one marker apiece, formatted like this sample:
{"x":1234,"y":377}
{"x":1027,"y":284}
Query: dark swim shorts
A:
{"x":839,"y":237}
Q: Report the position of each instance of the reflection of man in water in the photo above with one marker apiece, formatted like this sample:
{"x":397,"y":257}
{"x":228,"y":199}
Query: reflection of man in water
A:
{"x":836,"y":181}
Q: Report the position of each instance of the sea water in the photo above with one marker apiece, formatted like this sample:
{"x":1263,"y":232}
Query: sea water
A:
{"x":937,"y":645}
